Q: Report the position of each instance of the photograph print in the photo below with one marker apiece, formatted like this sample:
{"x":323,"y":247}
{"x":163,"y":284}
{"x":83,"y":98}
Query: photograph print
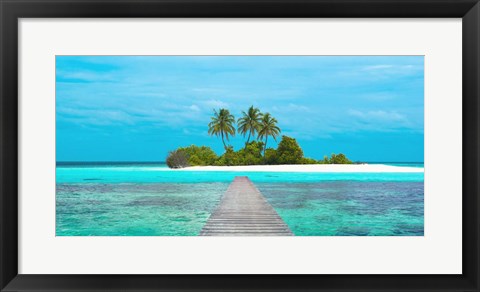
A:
{"x":239,"y":146}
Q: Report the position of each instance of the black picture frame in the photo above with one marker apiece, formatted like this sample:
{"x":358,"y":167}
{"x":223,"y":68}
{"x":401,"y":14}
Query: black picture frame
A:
{"x":12,"y":10}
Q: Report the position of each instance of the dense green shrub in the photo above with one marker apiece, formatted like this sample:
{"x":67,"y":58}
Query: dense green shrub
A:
{"x":306,"y":160}
{"x":193,"y":160}
{"x":340,"y":159}
{"x":325,"y":160}
{"x":199,"y":155}
{"x":255,"y":148}
{"x":229,"y":158}
{"x":252,"y":153}
{"x":336,"y":159}
{"x":288,"y":151}
{"x":177,"y":159}
{"x":271,"y":156}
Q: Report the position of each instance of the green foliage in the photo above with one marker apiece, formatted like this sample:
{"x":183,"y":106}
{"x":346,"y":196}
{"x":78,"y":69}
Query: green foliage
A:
{"x":271,"y":156}
{"x":222,"y":125}
{"x":288,"y":151}
{"x":202,"y":155}
{"x":177,"y":159}
{"x":229,"y":158}
{"x":254,"y":148}
{"x":340,"y":159}
{"x":325,"y":160}
{"x":336,"y":159}
{"x":250,"y":155}
{"x":306,"y":160}
{"x":195,"y":161}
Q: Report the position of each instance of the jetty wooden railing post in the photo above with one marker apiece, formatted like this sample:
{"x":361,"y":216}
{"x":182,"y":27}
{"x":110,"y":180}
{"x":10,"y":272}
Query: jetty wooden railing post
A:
{"x":244,"y":211}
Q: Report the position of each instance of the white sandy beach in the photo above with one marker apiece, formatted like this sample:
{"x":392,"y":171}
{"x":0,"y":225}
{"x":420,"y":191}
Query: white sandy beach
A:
{"x":309,"y":168}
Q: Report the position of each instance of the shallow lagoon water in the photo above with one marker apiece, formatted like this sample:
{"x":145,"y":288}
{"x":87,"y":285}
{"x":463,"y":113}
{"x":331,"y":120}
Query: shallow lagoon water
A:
{"x":150,"y":200}
{"x":135,"y":209}
{"x":349,"y":207}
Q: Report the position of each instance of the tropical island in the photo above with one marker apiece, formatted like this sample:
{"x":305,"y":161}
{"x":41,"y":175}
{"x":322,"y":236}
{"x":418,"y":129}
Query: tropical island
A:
{"x":257,"y":128}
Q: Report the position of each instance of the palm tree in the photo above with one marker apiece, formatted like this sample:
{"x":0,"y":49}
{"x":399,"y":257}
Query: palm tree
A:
{"x":250,"y":122}
{"x":268,"y":127}
{"x":222,"y":125}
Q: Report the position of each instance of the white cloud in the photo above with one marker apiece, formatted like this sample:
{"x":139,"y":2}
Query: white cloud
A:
{"x":379,"y":96}
{"x":99,"y":117}
{"x":381,"y":121}
{"x":194,"y":108}
{"x":86,"y":76}
{"x":291,"y":108}
{"x":215,"y":103}
{"x":394,"y":69}
{"x":377,"y":67}
{"x":378,"y":115}
{"x":208,"y":90}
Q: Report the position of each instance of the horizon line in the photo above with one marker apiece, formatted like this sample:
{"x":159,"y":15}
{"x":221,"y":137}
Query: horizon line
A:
{"x":163,"y":162}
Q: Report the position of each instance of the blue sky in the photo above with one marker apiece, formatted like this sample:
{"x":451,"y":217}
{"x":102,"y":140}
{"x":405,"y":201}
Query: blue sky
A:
{"x":132,"y":108}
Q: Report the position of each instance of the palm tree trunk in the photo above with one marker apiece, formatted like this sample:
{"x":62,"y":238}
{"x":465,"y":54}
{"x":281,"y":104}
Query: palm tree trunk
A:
{"x":224,"y":145}
{"x":249,"y":133}
{"x":265,"y":149}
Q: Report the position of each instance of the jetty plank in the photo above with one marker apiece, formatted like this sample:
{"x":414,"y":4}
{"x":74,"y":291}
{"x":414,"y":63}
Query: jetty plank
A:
{"x":244,"y":211}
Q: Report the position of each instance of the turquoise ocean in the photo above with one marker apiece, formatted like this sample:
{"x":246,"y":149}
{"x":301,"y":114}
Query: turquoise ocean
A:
{"x":149,"y":199}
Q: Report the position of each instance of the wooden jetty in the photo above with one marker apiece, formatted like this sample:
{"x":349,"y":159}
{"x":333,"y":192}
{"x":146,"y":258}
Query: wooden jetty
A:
{"x":243,"y":211}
